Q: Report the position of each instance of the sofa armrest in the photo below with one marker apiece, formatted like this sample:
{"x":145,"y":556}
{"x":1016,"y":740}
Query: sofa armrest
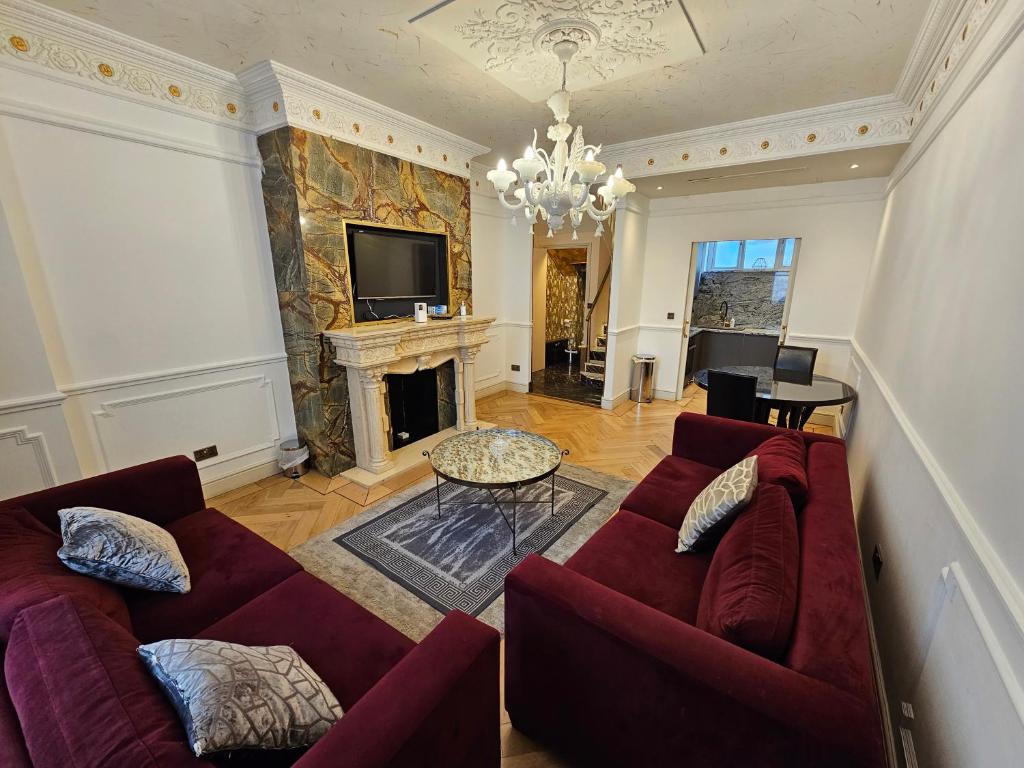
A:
{"x":437,"y":706}
{"x":721,"y":443}
{"x":161,"y":491}
{"x":582,"y":658}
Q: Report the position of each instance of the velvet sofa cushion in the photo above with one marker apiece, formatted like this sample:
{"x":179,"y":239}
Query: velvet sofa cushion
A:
{"x":749,"y":596}
{"x":228,"y":566}
{"x":348,"y":647}
{"x":634,"y":556}
{"x":667,"y":492}
{"x":83,"y":695}
{"x":781,"y":460}
{"x":12,"y":743}
{"x":31,"y":572}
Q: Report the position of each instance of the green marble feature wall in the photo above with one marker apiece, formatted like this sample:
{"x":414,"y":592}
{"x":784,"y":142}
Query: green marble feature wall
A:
{"x":311,"y":185}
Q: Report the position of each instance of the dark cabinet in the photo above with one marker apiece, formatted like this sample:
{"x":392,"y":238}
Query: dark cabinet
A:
{"x":711,"y":349}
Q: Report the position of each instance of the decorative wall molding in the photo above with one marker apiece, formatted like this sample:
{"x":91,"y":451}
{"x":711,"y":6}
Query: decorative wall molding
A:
{"x":90,"y":124}
{"x":1006,"y":587}
{"x":283,"y":96}
{"x":696,"y":204}
{"x":35,"y":440}
{"x":17,"y":405}
{"x":118,"y":382}
{"x":66,"y":48}
{"x":939,"y":20}
{"x":660,"y":328}
{"x":872,"y":122}
{"x":111,"y":408}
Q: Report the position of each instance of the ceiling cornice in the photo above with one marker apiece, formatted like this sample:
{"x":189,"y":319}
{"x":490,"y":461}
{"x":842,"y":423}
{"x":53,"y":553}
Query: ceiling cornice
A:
{"x":43,"y":41}
{"x":280,"y":95}
{"x":850,"y":125}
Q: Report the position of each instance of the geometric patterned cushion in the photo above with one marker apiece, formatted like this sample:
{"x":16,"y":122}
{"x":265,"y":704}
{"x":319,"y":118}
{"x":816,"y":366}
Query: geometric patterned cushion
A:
{"x":716,"y":506}
{"x":231,"y":696}
{"x":122,"y":549}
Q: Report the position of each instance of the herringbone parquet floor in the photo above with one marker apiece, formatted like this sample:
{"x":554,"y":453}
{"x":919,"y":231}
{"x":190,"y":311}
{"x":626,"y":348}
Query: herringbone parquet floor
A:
{"x":627,"y":441}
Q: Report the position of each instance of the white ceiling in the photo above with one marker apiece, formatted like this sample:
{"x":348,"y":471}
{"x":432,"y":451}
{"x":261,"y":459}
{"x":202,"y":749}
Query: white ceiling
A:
{"x":763,"y":57}
{"x":873,"y":162}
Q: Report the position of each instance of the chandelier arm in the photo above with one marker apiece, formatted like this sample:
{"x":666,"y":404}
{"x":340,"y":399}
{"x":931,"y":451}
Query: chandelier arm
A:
{"x":599,"y":214}
{"x":507,"y":205}
{"x":582,"y":197}
{"x":532,"y":197}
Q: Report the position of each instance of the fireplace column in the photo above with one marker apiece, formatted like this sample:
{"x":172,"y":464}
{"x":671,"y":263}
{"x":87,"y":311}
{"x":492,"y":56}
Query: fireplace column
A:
{"x":375,"y":414}
{"x":466,"y":376}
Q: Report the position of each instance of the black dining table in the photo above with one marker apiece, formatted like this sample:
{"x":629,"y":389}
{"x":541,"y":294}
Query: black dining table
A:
{"x":795,"y":399}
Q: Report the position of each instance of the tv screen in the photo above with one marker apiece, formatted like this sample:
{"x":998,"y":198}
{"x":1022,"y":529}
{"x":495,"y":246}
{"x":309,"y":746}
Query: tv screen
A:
{"x":393,"y":264}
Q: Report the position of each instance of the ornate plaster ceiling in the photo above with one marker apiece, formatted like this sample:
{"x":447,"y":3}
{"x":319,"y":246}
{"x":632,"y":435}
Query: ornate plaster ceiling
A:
{"x":512,"y":40}
{"x":762,"y":59}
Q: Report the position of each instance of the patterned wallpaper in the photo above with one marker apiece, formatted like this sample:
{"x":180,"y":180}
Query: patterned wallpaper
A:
{"x":325,"y":181}
{"x":565,"y":293}
{"x":756,"y":299}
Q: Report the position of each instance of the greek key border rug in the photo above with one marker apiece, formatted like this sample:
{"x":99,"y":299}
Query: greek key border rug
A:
{"x":399,"y":561}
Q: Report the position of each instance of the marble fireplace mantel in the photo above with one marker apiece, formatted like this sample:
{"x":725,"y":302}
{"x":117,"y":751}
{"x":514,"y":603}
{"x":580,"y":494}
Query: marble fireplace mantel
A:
{"x":370,"y":352}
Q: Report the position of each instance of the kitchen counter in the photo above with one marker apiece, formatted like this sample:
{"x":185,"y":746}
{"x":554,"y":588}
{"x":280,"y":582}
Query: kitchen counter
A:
{"x":746,"y":331}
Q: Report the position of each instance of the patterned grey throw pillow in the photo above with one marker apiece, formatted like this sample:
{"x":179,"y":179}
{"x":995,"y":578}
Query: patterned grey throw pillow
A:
{"x":122,"y":549}
{"x":242,"y":697}
{"x":727,"y":494}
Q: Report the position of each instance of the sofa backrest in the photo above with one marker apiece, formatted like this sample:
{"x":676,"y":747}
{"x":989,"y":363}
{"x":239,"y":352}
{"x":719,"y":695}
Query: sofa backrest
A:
{"x":830,"y":639}
{"x":159,"y":491}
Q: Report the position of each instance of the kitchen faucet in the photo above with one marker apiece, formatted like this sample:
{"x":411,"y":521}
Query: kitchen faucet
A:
{"x":724,"y":311}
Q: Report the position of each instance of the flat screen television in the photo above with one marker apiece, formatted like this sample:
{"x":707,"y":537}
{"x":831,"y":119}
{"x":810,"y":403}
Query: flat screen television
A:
{"x":393,"y":264}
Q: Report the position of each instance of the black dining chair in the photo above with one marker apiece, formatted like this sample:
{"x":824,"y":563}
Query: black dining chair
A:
{"x":794,"y":364}
{"x":732,"y":396}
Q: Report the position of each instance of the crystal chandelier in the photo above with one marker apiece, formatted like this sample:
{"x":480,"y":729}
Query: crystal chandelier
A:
{"x":557,"y":186}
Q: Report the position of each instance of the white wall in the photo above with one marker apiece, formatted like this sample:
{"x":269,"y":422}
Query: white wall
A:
{"x":135,"y":241}
{"x":838,"y":225}
{"x":936,"y":445}
{"x":625,"y":298}
{"x":501,"y":287}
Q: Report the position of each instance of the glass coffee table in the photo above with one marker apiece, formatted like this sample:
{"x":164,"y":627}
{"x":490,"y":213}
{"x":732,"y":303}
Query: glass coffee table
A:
{"x":496,"y":460}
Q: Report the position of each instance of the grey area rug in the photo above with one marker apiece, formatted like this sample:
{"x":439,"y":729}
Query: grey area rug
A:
{"x":400,"y":562}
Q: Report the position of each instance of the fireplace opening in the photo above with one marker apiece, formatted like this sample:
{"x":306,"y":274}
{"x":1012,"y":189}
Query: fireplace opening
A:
{"x":420,"y":404}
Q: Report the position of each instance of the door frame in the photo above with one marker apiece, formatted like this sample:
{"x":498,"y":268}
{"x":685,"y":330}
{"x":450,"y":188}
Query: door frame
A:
{"x":533,"y":325}
{"x":691,"y":286}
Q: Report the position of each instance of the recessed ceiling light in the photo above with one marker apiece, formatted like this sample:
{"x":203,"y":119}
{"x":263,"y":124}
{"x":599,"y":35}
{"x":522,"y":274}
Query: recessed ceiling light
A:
{"x":660,"y":188}
{"x":854,"y":167}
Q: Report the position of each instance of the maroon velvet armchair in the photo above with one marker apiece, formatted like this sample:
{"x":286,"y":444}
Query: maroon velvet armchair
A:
{"x":605,"y":662}
{"x":407,"y":705}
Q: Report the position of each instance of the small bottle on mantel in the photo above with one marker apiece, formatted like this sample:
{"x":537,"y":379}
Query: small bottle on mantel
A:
{"x":462,"y":309}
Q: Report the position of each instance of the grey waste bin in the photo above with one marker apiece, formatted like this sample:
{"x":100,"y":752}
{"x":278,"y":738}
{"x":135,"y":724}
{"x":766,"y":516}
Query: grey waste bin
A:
{"x":641,"y":387}
{"x":294,"y":458}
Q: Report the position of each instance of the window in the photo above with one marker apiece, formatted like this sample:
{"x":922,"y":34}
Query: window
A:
{"x":776,"y":254}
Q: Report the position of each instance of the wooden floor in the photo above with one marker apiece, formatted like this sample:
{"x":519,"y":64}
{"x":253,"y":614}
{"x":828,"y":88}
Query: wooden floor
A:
{"x":627,"y":441}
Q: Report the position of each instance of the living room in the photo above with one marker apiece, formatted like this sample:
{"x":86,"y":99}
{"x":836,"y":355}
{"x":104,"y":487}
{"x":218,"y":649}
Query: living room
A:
{"x":283,"y":262}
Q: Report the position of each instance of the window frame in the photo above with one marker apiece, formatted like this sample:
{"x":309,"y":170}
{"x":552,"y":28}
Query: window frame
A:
{"x":779,"y":265}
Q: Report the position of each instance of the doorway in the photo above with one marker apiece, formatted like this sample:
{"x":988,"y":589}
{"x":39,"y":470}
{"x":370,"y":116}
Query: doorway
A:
{"x":738,"y":298}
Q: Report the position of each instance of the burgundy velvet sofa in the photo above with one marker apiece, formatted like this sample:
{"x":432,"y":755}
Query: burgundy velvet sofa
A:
{"x":605,"y":660}
{"x":75,"y":691}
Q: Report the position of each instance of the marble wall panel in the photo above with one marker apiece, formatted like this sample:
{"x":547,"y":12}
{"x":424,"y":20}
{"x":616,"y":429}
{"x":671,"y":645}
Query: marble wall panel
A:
{"x":756,"y":299}
{"x":312,"y":184}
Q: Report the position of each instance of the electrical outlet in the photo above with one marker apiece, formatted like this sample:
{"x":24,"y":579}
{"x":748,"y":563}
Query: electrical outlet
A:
{"x":515,"y":366}
{"x":205,"y":453}
{"x":671,"y":315}
{"x":877,"y":562}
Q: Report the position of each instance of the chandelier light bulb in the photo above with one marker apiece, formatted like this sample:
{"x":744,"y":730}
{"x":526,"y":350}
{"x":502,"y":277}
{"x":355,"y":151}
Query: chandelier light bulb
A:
{"x":618,"y":172}
{"x":503,"y":166}
{"x":528,"y":154}
{"x":590,"y":155}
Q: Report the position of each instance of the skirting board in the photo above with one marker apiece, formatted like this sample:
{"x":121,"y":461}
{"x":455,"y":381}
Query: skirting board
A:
{"x":492,"y":389}
{"x":252,"y":474}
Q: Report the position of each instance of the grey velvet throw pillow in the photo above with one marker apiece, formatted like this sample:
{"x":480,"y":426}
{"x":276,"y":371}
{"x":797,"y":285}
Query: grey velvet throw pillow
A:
{"x":233,"y":696}
{"x":121,"y":549}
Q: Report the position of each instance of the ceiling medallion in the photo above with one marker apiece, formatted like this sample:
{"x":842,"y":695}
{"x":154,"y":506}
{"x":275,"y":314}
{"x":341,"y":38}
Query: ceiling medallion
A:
{"x":19,"y":44}
{"x":557,"y":185}
{"x":106,"y":70}
{"x":765,"y":144}
{"x":232,"y":108}
{"x":863,"y":130}
{"x":174,"y":90}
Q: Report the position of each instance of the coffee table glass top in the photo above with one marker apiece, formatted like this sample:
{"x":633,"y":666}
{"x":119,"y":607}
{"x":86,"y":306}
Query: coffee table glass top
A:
{"x":495,"y":457}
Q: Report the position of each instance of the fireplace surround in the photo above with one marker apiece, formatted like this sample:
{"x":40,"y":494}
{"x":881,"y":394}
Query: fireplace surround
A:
{"x":369,"y":353}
